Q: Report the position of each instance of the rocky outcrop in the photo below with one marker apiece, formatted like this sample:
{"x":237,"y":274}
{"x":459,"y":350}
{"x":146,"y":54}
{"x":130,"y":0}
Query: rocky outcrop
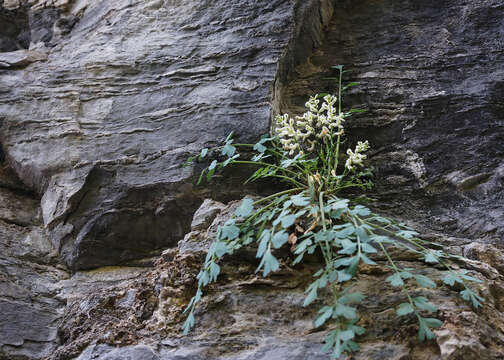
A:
{"x":431,"y":81}
{"x":246,"y":317}
{"x":102,"y":127}
{"x":102,"y":102}
{"x":29,"y":304}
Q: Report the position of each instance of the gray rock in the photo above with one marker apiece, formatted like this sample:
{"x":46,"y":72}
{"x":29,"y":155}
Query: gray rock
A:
{"x":29,"y":305}
{"x":430,"y":77}
{"x":205,"y":214}
{"x":99,"y":131}
{"x":14,"y":22}
{"x":104,"y":352}
{"x":21,"y":58}
{"x":103,"y":127}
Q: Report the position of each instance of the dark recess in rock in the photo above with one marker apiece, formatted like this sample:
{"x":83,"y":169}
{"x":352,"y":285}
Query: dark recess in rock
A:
{"x":41,"y":24}
{"x":15,"y":30}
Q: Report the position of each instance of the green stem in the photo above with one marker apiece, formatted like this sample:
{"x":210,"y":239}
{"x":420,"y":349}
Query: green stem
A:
{"x":297,"y":183}
{"x":264,"y":164}
{"x":327,"y":253}
{"x":278,"y":194}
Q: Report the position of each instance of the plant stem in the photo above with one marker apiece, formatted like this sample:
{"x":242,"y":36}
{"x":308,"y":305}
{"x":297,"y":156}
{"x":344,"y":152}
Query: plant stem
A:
{"x":261,"y":163}
{"x":278,"y":194}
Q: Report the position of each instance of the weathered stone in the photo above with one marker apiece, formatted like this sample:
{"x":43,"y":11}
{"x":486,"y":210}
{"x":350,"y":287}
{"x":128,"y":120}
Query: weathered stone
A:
{"x":206,"y":213}
{"x":14,"y":22}
{"x":430,"y":77}
{"x":100,"y":130}
{"x":29,"y":307}
{"x":103,"y":352}
{"x":105,"y":119}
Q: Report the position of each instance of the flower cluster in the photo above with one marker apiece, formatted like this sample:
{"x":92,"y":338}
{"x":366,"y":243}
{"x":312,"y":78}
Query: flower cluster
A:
{"x":321,"y":122}
{"x":356,"y":157}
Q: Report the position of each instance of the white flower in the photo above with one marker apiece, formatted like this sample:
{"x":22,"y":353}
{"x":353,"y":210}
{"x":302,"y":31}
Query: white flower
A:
{"x":356,"y":157}
{"x":312,"y":104}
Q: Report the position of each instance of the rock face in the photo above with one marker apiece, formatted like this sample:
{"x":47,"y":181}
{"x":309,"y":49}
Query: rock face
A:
{"x":432,"y":81}
{"x":29,"y":304}
{"x":102,"y":127}
{"x":247,"y":317}
{"x":102,"y":102}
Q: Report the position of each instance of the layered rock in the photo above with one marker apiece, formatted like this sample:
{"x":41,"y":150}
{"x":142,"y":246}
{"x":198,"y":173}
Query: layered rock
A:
{"x":29,"y":304}
{"x":102,"y":127}
{"x":102,"y":102}
{"x":246,"y":317}
{"x":431,"y":81}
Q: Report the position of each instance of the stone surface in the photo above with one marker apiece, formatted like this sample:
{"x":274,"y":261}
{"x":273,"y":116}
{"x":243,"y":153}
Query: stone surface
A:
{"x":97,"y":134}
{"x":20,"y":58}
{"x":29,"y":305}
{"x":101,"y":128}
{"x":14,"y":22}
{"x":431,"y":80}
{"x":205,"y":214}
{"x":246,"y":317}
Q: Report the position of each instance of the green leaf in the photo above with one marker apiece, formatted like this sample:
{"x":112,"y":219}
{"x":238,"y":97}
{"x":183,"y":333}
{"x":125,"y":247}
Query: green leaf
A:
{"x":354,"y":264}
{"x":346,"y":311}
{"x":349,"y":247}
{"x":345,"y":232}
{"x":312,"y":295}
{"x":203,"y":278}
{"x":343,"y":276}
{"x":360,"y":211}
{"x":382,"y":239}
{"x":408,"y":234}
{"x":347,"y":335}
{"x":288,"y":220}
{"x":339,"y":204}
{"x":404,"y":309}
{"x":368,"y":248}
{"x":366,"y":259}
{"x":263,"y":243}
{"x":451,"y":278}
{"x":430,"y":258}
{"x":279,"y":239}
{"x":358,"y":330}
{"x":395,"y":280}
{"x":189,"y":323}
{"x":220,"y":249}
{"x":361,"y":232}
{"x":214,"y":271}
{"x":423,"y":330}
{"x":351,"y":111}
{"x":423,"y":304}
{"x":476,"y":300}
{"x":228,"y":160}
{"x":246,"y":208}
{"x":469,"y":278}
{"x":228,"y":150}
{"x":301,"y":247}
{"x":230,"y":232}
{"x":352,"y":298}
{"x":349,"y":85}
{"x":300,"y":200}
{"x":406,"y":274}
{"x":424,"y":281}
{"x":325,"y":315}
{"x":270,"y":263}
{"x":433,"y":322}
{"x":213,"y":164}
{"x":260,"y":147}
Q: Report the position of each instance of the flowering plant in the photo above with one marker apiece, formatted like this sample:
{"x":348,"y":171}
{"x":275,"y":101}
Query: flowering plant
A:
{"x":312,"y":216}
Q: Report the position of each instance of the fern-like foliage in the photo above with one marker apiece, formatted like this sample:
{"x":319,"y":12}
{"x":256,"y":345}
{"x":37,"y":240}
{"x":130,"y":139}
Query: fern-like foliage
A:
{"x":311,"y":215}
